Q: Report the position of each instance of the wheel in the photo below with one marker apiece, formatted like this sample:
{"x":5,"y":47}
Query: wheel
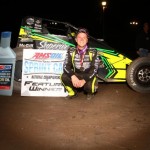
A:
{"x":18,"y":70}
{"x":138,"y":75}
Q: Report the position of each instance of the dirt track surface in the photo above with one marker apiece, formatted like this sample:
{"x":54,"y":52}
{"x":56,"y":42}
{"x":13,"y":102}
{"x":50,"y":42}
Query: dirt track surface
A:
{"x":116,"y":119}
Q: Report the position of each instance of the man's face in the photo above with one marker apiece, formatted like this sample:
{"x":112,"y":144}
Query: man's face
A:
{"x":82,"y":39}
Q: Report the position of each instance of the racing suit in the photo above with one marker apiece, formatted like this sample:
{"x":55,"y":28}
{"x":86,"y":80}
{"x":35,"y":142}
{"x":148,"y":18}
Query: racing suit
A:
{"x":72,"y":66}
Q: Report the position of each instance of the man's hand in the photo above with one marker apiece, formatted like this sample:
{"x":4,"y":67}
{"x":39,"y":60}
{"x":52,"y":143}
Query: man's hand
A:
{"x":82,"y":82}
{"x":76,"y":82}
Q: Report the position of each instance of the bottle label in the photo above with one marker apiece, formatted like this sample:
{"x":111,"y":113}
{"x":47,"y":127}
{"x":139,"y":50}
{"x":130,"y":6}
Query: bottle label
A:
{"x":5,"y":76}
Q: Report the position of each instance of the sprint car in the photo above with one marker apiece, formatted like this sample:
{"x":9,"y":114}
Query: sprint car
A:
{"x":41,"y":33}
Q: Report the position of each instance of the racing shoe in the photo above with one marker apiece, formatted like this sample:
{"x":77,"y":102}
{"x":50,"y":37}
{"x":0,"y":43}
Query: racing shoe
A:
{"x":89,"y":96}
{"x":71,"y":96}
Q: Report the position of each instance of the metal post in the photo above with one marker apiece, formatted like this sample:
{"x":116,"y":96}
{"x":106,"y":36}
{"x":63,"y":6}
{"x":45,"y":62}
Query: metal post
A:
{"x":103,"y":18}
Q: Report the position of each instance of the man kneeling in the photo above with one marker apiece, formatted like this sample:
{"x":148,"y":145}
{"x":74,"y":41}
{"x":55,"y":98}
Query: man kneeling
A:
{"x":80,"y":67}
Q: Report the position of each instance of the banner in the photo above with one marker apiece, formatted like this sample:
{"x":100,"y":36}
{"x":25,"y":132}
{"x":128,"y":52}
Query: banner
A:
{"x":41,"y":70}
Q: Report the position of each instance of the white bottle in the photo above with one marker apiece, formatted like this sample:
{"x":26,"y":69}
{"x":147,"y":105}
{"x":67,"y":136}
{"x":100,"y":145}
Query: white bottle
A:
{"x":7,"y":64}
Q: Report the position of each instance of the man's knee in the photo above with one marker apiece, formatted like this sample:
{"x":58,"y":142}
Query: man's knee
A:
{"x":65,"y":78}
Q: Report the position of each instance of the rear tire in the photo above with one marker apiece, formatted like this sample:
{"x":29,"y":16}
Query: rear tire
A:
{"x":138,"y":75}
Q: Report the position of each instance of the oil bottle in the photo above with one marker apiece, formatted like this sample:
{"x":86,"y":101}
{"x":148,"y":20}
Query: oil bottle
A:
{"x":7,"y":64}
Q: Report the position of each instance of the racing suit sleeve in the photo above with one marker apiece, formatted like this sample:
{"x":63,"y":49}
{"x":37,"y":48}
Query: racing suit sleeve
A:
{"x":94,"y":66}
{"x":68,"y":65}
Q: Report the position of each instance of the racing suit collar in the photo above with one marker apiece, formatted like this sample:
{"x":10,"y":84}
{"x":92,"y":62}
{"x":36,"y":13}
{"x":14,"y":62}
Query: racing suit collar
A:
{"x":82,"y":51}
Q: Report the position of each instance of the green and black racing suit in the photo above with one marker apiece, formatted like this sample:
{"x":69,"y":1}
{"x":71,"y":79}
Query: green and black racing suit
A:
{"x":72,"y":66}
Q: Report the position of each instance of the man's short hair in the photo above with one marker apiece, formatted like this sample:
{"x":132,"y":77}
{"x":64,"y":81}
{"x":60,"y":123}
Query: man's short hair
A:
{"x":82,"y":30}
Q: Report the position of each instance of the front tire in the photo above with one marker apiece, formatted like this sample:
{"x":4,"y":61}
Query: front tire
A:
{"x":138,"y":75}
{"x":18,"y":70}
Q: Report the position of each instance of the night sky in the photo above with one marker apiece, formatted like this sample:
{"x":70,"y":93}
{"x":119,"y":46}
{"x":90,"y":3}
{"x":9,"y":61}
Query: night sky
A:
{"x":117,"y":16}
